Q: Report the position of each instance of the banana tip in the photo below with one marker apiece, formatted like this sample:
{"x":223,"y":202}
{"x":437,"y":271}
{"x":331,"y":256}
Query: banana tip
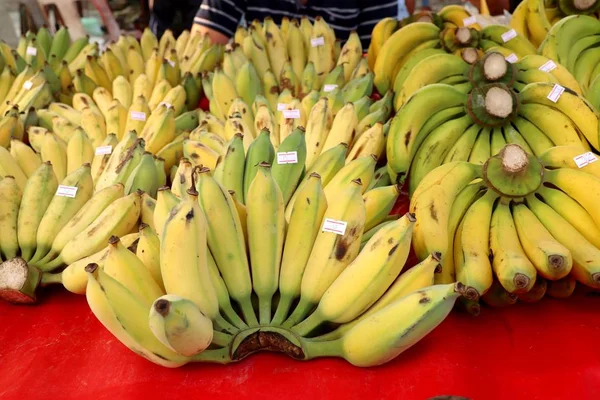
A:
{"x":162,"y":307}
{"x":91,"y":268}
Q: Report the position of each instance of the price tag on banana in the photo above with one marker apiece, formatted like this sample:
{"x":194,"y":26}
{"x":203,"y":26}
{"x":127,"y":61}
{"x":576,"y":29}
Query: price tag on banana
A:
{"x":171,"y":63}
{"x":512,"y":58}
{"x":138,"y":116}
{"x":103,"y":150}
{"x":555,"y":93}
{"x":291,"y":114}
{"x":318,"y":41}
{"x":66,"y":191}
{"x":31,"y":51}
{"x":548,"y":66}
{"x":334,"y":226}
{"x":585,"y":159}
{"x":329,"y":87}
{"x":164,"y":103}
{"x":470,"y":21}
{"x":287,"y":157}
{"x":508,"y":35}
{"x":281,"y":106}
{"x":27,"y":85}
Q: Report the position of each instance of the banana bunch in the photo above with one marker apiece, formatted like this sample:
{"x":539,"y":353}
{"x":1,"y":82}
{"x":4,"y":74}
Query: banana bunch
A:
{"x":514,"y":227}
{"x":441,"y":124}
{"x":571,"y":43}
{"x":533,"y":19}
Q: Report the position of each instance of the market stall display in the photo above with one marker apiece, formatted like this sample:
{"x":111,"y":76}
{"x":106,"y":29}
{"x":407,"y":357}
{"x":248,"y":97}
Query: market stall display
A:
{"x":262,"y":222}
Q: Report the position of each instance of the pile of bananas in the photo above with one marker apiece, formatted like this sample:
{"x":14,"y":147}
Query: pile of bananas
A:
{"x":533,"y":19}
{"x":441,"y":124}
{"x":515,"y":228}
{"x":458,"y":34}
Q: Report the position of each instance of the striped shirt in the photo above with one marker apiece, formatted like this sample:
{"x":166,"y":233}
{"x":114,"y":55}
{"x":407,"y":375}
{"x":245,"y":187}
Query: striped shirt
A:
{"x":344,"y":16}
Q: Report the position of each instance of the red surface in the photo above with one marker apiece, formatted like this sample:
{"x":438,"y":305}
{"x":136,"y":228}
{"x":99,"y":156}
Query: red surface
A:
{"x":547,"y":350}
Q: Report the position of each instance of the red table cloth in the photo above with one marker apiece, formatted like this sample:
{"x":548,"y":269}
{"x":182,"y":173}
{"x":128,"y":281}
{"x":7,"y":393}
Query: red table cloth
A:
{"x":547,"y":350}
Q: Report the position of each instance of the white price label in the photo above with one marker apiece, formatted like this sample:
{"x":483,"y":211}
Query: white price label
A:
{"x":548,"y":66}
{"x":334,"y":226}
{"x":291,"y":114}
{"x":138,"y":116}
{"x":555,"y":93}
{"x":27,"y":85}
{"x":31,"y":51}
{"x":164,"y":103}
{"x":316,"y":42}
{"x":103,"y":150}
{"x":171,"y":63}
{"x":281,"y":106}
{"x":288,"y":157}
{"x":512,"y":58}
{"x":506,"y":36}
{"x":66,"y":191}
{"x":329,"y":87}
{"x":585,"y":159}
{"x":470,"y":21}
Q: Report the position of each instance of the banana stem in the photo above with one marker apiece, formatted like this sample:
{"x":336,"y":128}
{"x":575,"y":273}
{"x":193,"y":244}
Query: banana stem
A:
{"x":52,"y":265}
{"x":219,"y":356}
{"x":282,"y":311}
{"x":232,"y":317}
{"x":313,"y":349}
{"x":222,"y":325}
{"x":308,"y":325}
{"x":299,"y":313}
{"x":264,"y":310}
{"x":335,"y":334}
{"x":46,"y":259}
{"x":248,"y":312}
{"x":39,"y":255}
{"x":49,"y":278}
{"x":221,"y":339}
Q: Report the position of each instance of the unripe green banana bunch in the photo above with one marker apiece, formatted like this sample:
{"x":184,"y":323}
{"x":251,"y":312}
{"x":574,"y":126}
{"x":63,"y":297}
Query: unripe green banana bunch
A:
{"x":515,"y":220}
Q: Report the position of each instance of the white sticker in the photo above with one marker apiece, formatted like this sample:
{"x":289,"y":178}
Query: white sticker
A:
{"x":470,"y":21}
{"x":27,"y":85}
{"x":506,"y":36}
{"x":316,"y":42}
{"x":138,"y":116}
{"x":291,"y":114}
{"x":281,"y":106}
{"x":103,"y":150}
{"x":164,"y":103}
{"x":334,"y":226}
{"x":329,"y":87}
{"x":171,"y":63}
{"x":512,"y":58}
{"x":585,"y":159}
{"x":31,"y":51}
{"x":555,"y":93}
{"x":548,"y":66}
{"x":288,"y":157}
{"x":66,"y":191}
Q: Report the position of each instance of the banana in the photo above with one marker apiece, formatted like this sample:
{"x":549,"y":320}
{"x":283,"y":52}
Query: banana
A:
{"x":126,"y":317}
{"x":79,"y":151}
{"x":512,"y":267}
{"x":147,"y":210}
{"x":123,"y":160}
{"x":10,"y":198}
{"x":102,"y":155}
{"x":536,"y":293}
{"x":399,"y":326}
{"x":182,"y":180}
{"x":481,"y":150}
{"x":461,"y":149}
{"x":362,"y":168}
{"x":265,"y":206}
{"x":317,"y":130}
{"x":551,"y":259}
{"x":535,"y":138}
{"x":54,"y":150}
{"x":562,"y":288}
{"x":378,"y":204}
{"x":275,"y":46}
{"x":304,"y":224}
{"x":124,"y":266}
{"x":295,"y":48}
{"x":264,"y":119}
{"x":376,"y":267}
{"x":180,"y":325}
{"x":471,"y":252}
{"x":37,"y":195}
{"x":337,"y":244}
{"x":94,"y":126}
{"x":586,"y":257}
{"x":143,"y":177}
{"x":432,"y":203}
{"x":260,"y":150}
{"x":159,"y":130}
{"x":381,"y":33}
{"x":226,"y":242}
{"x":508,"y":38}
{"x":343,"y":128}
{"x":233,"y":167}
{"x":25,"y":157}
{"x":165,"y":202}
{"x":138,"y":113}
{"x":285,"y":171}
{"x":148,"y":252}
{"x":122,"y":91}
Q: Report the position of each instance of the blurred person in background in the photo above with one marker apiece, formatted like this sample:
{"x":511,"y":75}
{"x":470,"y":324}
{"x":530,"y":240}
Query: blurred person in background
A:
{"x":176,"y":15}
{"x":220,"y":18}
